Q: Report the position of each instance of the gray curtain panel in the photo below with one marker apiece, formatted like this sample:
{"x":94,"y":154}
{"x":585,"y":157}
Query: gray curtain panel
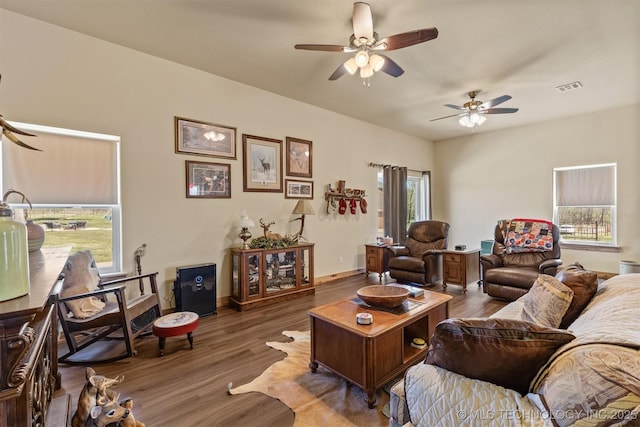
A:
{"x":395,"y":202}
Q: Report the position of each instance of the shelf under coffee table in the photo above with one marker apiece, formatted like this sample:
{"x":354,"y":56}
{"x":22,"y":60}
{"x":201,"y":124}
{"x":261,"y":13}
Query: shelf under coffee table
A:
{"x":371,"y":355}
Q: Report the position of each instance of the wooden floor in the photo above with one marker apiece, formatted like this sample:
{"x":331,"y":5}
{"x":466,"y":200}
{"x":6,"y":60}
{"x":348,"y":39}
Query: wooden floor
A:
{"x":189,"y":387}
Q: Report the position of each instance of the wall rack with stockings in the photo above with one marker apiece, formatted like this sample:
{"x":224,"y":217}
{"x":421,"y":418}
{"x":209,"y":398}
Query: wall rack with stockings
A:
{"x":344,"y":200}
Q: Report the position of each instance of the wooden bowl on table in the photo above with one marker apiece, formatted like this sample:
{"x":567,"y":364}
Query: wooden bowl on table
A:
{"x":383,"y":296}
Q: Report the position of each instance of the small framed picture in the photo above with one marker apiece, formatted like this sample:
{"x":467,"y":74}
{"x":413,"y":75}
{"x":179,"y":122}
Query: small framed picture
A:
{"x":298,"y":189}
{"x":299,"y":157}
{"x":205,"y":139}
{"x":262,"y":166}
{"x":208,"y":180}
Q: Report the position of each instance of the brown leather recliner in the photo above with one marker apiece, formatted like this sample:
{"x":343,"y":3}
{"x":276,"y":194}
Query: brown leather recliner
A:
{"x":509,"y":276}
{"x":420,"y":260}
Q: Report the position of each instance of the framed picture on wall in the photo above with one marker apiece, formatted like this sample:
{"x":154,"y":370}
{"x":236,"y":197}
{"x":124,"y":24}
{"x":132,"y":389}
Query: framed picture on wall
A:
{"x":262,"y":165}
{"x":205,"y":139}
{"x":299,"y":157}
{"x":208,"y":180}
{"x":298,"y":189}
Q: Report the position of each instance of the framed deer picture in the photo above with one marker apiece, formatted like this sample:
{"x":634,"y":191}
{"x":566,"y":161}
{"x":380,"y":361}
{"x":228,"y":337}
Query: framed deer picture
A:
{"x":299,"y":157}
{"x":262,"y":166}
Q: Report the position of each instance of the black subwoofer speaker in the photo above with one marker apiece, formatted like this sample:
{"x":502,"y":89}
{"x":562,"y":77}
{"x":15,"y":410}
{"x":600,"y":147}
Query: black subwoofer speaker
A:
{"x":195,"y":289}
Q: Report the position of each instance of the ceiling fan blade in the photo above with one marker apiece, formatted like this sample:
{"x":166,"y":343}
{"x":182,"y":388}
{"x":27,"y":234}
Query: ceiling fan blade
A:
{"x":409,"y":38}
{"x":496,"y":101}
{"x":456,"y":107}
{"x":362,"y":21}
{"x":446,"y":117}
{"x":322,"y":47}
{"x":391,"y":67}
{"x":499,"y":110}
{"x":339,"y":72}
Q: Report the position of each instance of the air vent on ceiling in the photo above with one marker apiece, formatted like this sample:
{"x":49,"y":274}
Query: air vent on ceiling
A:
{"x":569,"y":86}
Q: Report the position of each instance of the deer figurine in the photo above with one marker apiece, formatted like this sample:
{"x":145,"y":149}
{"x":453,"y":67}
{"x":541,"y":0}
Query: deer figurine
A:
{"x":267,"y":233}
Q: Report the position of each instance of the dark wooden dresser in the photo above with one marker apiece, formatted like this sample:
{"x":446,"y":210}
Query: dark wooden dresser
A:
{"x":28,"y":350}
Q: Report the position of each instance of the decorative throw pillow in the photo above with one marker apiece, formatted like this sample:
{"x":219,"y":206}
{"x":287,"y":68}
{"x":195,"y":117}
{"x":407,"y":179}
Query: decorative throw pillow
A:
{"x":584,"y":284}
{"x":592,"y":385}
{"x":505,"y":352}
{"x":81,"y":276}
{"x":547,"y":301}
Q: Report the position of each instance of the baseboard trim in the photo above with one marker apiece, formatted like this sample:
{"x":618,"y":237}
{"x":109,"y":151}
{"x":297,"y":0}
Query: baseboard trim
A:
{"x":336,"y":276}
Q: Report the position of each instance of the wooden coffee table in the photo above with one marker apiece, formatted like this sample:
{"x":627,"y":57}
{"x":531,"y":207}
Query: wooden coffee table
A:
{"x":372,"y":355}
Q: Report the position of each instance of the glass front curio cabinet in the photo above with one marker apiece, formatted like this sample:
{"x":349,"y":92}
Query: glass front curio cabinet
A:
{"x":266,"y":276}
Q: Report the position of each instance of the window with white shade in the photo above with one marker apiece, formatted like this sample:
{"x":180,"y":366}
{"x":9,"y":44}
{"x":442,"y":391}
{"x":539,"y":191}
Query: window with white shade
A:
{"x":585,"y":204}
{"x":74,"y":188}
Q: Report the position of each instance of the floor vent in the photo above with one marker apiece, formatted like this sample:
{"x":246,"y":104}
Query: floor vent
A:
{"x":569,"y":86}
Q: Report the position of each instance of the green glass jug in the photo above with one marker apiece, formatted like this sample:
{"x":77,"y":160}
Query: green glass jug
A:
{"x":14,"y":256}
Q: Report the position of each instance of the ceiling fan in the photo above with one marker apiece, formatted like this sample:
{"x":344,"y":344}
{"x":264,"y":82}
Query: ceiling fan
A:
{"x":366,"y":45}
{"x":474,"y":111}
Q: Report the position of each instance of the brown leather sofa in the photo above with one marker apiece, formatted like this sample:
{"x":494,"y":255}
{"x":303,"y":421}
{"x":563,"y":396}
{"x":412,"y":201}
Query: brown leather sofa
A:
{"x":509,"y":276}
{"x":420,"y":260}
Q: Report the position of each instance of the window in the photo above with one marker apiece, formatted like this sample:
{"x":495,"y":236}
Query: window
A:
{"x":585,"y":204}
{"x":73,"y":185}
{"x":418,"y":198}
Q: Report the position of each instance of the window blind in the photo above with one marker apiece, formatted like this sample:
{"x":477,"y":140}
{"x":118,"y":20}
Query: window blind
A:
{"x":586,"y":186}
{"x":73,"y":170}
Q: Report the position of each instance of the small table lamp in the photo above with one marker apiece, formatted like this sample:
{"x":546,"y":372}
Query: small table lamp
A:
{"x":244,"y":224}
{"x":303,"y":207}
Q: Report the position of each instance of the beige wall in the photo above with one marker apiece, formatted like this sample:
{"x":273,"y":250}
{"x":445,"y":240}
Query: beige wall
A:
{"x":56,"y":77}
{"x":487,"y":176}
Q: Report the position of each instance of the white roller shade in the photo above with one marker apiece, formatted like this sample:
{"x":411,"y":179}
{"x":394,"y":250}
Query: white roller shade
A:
{"x":76,"y":170}
{"x":589,"y":186}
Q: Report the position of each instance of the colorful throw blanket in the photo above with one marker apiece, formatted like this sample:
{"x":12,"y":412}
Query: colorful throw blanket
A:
{"x":526,"y":235}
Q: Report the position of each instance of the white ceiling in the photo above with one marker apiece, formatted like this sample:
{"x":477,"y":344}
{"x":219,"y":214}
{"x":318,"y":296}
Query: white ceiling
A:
{"x":522,"y":48}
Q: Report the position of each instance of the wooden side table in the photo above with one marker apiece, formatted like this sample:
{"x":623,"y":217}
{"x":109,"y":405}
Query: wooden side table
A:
{"x":460,"y":267}
{"x":377,"y":259}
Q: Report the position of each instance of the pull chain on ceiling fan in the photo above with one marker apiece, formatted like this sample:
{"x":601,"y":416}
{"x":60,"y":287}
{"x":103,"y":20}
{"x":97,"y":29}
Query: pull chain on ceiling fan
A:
{"x":366,"y":45}
{"x":474,"y":111}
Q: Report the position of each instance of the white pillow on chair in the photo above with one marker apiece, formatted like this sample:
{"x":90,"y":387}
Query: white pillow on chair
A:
{"x":81,"y":276}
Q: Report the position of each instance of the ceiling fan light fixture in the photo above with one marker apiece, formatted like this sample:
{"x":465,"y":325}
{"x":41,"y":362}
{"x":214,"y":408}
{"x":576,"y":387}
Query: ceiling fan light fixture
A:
{"x":351,"y":66}
{"x":362,"y":58}
{"x":472,"y":120}
{"x":376,"y":62}
{"x":466,"y":122}
{"x":366,"y":71}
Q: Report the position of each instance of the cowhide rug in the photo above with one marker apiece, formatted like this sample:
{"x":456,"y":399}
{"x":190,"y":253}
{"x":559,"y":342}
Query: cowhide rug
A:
{"x":320,"y":399}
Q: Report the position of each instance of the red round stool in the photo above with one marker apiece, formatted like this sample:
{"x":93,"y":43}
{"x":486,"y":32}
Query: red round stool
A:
{"x":174,"y":324}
